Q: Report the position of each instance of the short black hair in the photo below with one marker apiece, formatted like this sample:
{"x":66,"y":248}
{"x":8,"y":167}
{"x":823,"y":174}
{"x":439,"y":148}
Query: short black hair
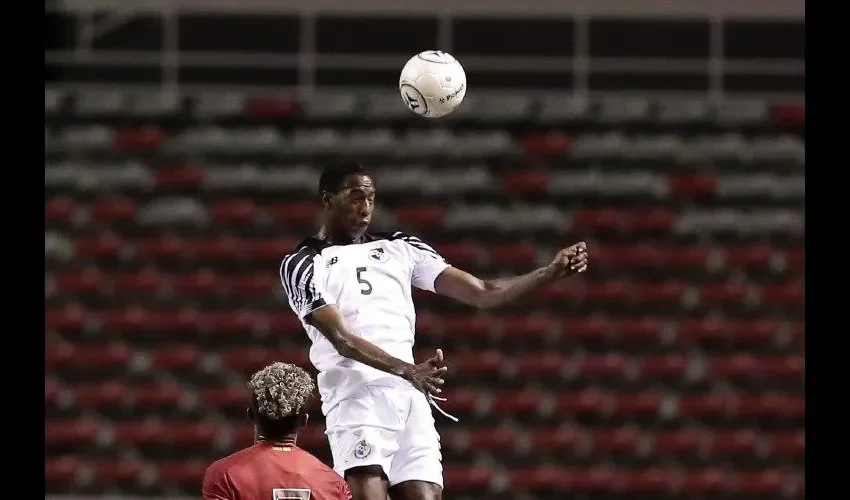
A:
{"x":333,"y":176}
{"x":275,"y":429}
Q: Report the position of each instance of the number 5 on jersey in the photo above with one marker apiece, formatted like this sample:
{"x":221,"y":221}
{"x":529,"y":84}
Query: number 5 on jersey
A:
{"x":365,"y":286}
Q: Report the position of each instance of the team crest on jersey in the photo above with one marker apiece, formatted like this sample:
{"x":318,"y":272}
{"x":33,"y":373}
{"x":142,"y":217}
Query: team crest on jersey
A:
{"x":378,"y":255}
{"x":362,"y":449}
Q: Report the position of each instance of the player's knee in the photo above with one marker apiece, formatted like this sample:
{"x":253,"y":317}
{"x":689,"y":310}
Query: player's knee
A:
{"x":416,"y":490}
{"x":367,"y":482}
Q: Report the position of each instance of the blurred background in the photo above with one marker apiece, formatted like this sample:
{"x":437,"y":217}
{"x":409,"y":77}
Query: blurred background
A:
{"x":183,"y":141}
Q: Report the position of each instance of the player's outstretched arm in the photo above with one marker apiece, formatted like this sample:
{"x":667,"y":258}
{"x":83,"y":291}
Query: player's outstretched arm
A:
{"x":466,"y":288}
{"x":426,"y":377}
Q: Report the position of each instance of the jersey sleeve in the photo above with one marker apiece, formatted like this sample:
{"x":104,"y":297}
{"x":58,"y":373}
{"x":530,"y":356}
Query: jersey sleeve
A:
{"x":215,"y":486}
{"x":427,"y":263}
{"x":344,"y":491}
{"x":303,"y":276}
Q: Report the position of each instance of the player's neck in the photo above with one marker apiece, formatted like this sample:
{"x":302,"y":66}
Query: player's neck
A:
{"x":287,"y":440}
{"x":338,"y":237}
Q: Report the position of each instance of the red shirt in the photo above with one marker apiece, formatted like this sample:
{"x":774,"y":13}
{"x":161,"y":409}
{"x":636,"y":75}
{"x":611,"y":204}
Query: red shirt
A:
{"x":271,"y":471}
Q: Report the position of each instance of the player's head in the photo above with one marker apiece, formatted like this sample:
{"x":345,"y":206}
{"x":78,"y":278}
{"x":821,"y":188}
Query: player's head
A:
{"x":280,"y":394}
{"x":348,"y":197}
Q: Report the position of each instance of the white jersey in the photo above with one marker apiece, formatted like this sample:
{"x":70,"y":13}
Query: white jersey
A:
{"x":370,"y":283}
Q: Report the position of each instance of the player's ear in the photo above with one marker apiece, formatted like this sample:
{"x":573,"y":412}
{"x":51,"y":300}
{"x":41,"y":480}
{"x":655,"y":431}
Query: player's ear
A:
{"x":326,"y":198}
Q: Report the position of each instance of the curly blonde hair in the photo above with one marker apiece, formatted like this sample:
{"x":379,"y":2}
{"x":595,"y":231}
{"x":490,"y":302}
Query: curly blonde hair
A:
{"x":281,"y":390}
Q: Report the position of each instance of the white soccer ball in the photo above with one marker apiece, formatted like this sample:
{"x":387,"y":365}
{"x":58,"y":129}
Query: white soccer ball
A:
{"x":432,"y":84}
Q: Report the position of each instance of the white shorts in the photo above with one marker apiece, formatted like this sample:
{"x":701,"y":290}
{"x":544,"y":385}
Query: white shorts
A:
{"x":387,"y":426}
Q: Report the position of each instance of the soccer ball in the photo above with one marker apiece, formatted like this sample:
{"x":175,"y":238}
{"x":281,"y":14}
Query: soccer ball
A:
{"x":432,"y":84}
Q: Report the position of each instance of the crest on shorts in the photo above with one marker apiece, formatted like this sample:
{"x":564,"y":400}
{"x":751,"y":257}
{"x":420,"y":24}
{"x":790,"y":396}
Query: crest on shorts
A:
{"x":378,"y":255}
{"x":362,"y":449}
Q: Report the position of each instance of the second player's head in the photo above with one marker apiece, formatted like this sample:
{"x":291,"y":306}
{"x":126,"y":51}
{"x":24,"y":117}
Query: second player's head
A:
{"x":280,"y":395}
{"x":348,"y":198}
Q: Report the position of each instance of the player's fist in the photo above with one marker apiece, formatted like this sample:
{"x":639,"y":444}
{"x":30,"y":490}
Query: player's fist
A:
{"x":428,"y":375}
{"x":569,"y":261}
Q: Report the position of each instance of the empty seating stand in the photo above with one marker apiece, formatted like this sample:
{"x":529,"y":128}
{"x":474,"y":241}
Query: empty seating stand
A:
{"x":673,"y":368}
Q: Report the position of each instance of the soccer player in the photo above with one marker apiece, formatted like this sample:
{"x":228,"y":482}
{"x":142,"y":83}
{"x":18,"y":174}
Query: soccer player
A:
{"x":352,"y":290}
{"x":274,"y":468}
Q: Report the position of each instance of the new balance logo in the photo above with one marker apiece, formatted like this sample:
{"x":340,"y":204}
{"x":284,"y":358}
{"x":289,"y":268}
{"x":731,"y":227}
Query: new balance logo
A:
{"x":332,"y":261}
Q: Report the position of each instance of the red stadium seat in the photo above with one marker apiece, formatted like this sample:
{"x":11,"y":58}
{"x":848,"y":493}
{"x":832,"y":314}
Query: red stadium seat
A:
{"x":692,"y":186}
{"x":79,"y":282}
{"x":683,"y":442}
{"x":249,"y":359}
{"x":749,"y":257}
{"x":645,"y":481}
{"x":773,"y":406}
{"x":584,"y":402}
{"x":138,"y":282}
{"x":177,"y":357}
{"x":659,"y":293}
{"x":788,"y":444}
{"x":99,"y":246}
{"x":697,"y":330}
{"x":563,"y":439}
{"x":100,"y":394}
{"x":71,"y":432}
{"x":548,"y":477}
{"x":113,"y":211}
{"x":225,"y":248}
{"x":271,"y":107}
{"x":600,"y":219}
{"x":763,"y":482}
{"x":155,"y":396}
{"x":622,"y":440}
{"x":59,"y":210}
{"x":586,"y":328}
{"x":61,"y":471}
{"x":182,"y":472}
{"x":547,"y":144}
{"x":108,"y":356}
{"x":234,"y":212}
{"x":603,"y":365}
{"x":465,"y":326}
{"x":225,"y":397}
{"x":115,"y":472}
{"x":740,"y":442}
{"x":791,"y":367}
{"x":561,"y":292}
{"x":146,"y":432}
{"x":461,"y":253}
{"x":65,"y":319}
{"x":267,"y":250}
{"x":540,"y":364}
{"x":738,"y":366}
{"x":760,"y":331}
{"x":664,"y":366}
{"x":461,"y":478}
{"x":626,"y":257}
{"x":147,"y":137}
{"x":284,"y":323}
{"x":640,"y":329}
{"x":786,"y":294}
{"x":525,"y":182}
{"x":189,"y":433}
{"x":461,"y":400}
{"x":253,"y":285}
{"x":513,"y":254}
{"x":293,"y":215}
{"x":703,"y":481}
{"x":52,"y":391}
{"x":165,"y":247}
{"x":487,"y":363}
{"x":590,"y":480}
{"x":500,"y":439}
{"x":723,"y":293}
{"x":686,"y":258}
{"x":198,"y":282}
{"x":796,"y":259}
{"x":419,"y":217}
{"x":798,"y":333}
{"x":516,"y":402}
{"x":705,"y":405}
{"x":181,"y":177}
{"x":608,"y":292}
{"x":658,"y":219}
{"x":238,"y":322}
{"x":640,"y":404}
{"x":527,"y":327}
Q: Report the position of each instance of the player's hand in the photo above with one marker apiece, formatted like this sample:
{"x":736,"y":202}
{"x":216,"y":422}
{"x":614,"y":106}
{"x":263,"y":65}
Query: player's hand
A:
{"x":569,"y":261}
{"x":428,"y":375}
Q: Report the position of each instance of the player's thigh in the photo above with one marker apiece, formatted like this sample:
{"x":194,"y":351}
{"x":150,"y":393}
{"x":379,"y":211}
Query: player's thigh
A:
{"x":364,"y":431}
{"x":416,"y":490}
{"x":367,"y":482}
{"x":418,"y":457}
